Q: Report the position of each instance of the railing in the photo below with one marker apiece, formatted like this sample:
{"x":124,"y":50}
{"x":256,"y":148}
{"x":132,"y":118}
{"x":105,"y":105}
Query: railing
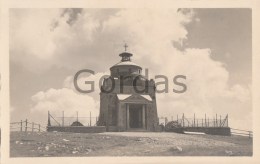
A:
{"x":216,"y":121}
{"x":240,"y":132}
{"x":72,"y":120}
{"x":26,"y":126}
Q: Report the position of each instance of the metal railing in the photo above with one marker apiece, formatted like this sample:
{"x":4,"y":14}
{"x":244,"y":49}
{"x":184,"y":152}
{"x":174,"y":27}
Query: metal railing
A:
{"x":216,"y":121}
{"x":75,"y":120}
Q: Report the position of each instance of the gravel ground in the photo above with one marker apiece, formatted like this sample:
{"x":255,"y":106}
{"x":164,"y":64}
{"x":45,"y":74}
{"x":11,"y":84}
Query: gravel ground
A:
{"x":126,"y":144}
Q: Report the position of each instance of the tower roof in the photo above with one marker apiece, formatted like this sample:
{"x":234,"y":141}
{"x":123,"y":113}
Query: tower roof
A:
{"x":126,"y":56}
{"x":126,"y":63}
{"x":126,"y":60}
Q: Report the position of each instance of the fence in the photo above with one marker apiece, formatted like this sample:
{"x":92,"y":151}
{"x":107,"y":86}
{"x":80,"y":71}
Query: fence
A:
{"x":72,"y":120}
{"x":240,"y":132}
{"x":216,"y":121}
{"x":26,"y":126}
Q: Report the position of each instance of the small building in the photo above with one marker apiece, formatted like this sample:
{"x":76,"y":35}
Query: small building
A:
{"x":127,"y":98}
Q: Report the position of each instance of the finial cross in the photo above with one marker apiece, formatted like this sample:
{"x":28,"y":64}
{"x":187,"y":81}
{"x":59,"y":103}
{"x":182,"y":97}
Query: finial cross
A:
{"x":125,"y":46}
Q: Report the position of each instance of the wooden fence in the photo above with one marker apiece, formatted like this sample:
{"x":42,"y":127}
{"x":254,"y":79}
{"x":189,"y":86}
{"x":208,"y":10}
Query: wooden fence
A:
{"x":26,"y":126}
{"x":240,"y":132}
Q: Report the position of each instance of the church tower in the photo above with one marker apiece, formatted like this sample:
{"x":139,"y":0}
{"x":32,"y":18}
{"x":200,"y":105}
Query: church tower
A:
{"x":127,"y":98}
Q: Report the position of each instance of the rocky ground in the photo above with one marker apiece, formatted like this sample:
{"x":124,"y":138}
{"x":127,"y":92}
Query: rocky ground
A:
{"x":33,"y":144}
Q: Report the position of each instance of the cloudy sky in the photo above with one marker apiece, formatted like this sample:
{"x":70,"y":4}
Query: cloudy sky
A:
{"x":211,"y":47}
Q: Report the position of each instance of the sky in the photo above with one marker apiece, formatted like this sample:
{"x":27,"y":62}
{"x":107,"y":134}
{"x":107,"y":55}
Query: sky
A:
{"x":211,"y":47}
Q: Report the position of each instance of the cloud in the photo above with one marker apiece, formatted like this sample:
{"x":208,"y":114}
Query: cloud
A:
{"x":96,"y":78}
{"x":46,"y":36}
{"x":208,"y":91}
{"x":58,"y":100}
{"x":69,"y":100}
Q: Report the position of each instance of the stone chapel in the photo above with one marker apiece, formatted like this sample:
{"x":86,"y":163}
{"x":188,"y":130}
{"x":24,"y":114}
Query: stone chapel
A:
{"x":127,"y":98}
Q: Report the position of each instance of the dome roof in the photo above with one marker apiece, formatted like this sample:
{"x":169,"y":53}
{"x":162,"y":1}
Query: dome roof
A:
{"x":127,"y":54}
{"x":126,"y":63}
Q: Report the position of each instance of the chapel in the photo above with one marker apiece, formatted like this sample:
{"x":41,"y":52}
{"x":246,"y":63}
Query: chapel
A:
{"x":127,"y":98}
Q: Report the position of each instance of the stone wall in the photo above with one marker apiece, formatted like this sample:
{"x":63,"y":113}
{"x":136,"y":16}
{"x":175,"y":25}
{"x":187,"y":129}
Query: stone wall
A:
{"x":223,"y":131}
{"x":77,"y":129}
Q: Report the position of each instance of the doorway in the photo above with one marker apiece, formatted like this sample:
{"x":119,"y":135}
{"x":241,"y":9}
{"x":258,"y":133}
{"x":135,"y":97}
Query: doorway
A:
{"x":136,"y":116}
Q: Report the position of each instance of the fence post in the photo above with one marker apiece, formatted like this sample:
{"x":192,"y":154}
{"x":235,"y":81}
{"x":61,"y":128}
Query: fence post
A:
{"x":90,"y":118}
{"x":183,"y":119}
{"x":194,"y":124}
{"x":32,"y":126}
{"x":21,"y":129}
{"x":205,"y":120}
{"x":227,"y":120}
{"x":216,"y":120}
{"x":77,"y":116}
{"x":26,"y":125}
{"x":220,"y":122}
{"x":62,"y":118}
{"x":49,"y":119}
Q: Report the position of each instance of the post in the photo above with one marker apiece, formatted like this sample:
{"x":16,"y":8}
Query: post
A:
{"x":39,"y":127}
{"x":62,"y":118}
{"x":77,"y":116}
{"x":26,"y":125}
{"x":90,"y":118}
{"x":216,"y":120}
{"x":49,"y":120}
{"x":183,"y":119}
{"x":127,"y":116}
{"x":227,"y":120}
{"x":21,"y":129}
{"x":205,"y":120}
{"x":220,"y":120}
{"x":143,"y":117}
{"x":32,"y":126}
{"x":194,"y":121}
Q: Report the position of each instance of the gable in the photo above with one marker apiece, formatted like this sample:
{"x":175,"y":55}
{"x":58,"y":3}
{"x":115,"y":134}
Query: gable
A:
{"x":135,"y":98}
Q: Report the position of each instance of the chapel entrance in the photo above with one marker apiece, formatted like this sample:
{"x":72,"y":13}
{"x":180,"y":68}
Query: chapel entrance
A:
{"x":136,"y":116}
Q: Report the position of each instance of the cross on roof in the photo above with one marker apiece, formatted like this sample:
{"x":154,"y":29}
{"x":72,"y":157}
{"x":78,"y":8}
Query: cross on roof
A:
{"x":125,"y":46}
